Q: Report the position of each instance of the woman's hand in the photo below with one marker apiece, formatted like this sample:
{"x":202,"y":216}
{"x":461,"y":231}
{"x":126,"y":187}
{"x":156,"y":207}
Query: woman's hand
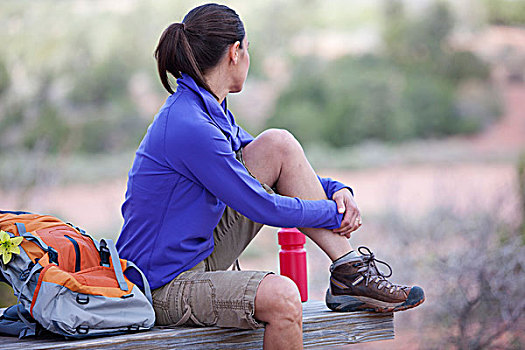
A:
{"x":352,"y":217}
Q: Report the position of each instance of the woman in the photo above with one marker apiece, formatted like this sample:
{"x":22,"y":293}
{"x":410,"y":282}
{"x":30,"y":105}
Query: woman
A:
{"x":201,"y":187}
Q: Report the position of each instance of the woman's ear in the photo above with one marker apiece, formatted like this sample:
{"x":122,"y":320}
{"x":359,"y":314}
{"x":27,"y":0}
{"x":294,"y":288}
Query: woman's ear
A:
{"x":234,"y":52}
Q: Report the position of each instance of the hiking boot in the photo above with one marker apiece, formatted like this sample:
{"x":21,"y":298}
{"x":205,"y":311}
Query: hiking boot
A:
{"x":356,"y":284}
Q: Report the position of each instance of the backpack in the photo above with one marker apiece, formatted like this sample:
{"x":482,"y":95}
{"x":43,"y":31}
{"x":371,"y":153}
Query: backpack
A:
{"x":68,"y":283}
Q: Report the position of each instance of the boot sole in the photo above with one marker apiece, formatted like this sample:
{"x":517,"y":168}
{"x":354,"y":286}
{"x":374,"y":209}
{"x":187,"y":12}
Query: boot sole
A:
{"x":347,"y":303}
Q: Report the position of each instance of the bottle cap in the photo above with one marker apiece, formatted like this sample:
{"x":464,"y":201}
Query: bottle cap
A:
{"x":291,"y":236}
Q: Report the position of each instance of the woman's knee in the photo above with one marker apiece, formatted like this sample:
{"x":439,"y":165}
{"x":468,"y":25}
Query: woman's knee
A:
{"x":281,"y":140}
{"x":278,"y":299}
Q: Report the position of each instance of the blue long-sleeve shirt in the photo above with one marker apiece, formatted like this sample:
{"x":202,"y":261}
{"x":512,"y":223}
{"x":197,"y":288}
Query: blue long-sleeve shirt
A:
{"x":183,"y":176}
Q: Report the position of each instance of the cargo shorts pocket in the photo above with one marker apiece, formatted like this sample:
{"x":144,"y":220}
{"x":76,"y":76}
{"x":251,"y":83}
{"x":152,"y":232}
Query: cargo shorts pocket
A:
{"x":198,"y":305}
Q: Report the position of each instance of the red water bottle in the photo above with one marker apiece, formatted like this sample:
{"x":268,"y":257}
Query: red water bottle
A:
{"x":292,"y":258}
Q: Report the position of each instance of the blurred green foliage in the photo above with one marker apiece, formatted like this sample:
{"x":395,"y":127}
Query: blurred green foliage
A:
{"x":67,"y":75}
{"x":73,"y":76}
{"x":412,"y":90}
{"x":506,"y":12}
{"x":6,"y":295}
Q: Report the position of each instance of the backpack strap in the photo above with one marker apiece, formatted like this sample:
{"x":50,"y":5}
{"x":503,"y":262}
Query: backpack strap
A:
{"x":11,"y":324}
{"x":115,"y":260}
{"x":52,"y":253}
{"x":31,"y":326}
{"x":21,"y":228}
{"x":29,"y":236}
{"x":147,"y":290}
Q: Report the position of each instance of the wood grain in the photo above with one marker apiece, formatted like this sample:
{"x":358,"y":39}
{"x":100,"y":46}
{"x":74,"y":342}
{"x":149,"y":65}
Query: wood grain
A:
{"x":321,"y":326}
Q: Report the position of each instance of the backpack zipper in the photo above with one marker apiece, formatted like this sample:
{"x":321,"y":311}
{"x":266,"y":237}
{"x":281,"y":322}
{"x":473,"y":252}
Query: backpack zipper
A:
{"x":77,"y":252}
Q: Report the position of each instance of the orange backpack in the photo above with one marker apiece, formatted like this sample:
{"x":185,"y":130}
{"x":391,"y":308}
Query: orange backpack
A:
{"x":68,"y":282}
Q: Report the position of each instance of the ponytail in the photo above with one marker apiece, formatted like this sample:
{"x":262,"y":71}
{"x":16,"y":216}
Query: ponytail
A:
{"x":175,"y":55}
{"x":197,"y":44}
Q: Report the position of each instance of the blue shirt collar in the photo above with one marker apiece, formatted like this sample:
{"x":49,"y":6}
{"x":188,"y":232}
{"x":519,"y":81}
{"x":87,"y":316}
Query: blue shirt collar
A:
{"x":218,"y":112}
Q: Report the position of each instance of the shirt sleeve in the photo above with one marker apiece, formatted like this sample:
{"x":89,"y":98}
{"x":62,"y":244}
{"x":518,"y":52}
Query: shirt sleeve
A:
{"x":244,"y":136}
{"x":209,"y":158}
{"x":332,"y":186}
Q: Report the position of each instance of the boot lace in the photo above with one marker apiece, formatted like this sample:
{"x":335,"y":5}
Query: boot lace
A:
{"x":370,"y":272}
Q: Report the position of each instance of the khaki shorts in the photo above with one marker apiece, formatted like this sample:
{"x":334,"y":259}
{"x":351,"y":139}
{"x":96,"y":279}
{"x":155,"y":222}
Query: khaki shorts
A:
{"x":208,"y":294}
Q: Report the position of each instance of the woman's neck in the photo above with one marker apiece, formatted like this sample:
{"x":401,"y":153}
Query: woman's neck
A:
{"x":218,"y":83}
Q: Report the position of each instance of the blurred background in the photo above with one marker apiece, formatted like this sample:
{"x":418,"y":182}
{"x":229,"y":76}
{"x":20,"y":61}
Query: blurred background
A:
{"x":418,"y":105}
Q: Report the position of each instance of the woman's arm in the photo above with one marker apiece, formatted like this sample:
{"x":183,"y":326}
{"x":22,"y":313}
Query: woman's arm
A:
{"x":212,"y":163}
{"x":330,"y":186}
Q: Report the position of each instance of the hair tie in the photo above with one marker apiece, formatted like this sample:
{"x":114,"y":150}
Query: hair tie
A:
{"x":183,"y":26}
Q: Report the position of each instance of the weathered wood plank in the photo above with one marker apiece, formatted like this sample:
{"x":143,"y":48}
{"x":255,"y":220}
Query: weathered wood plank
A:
{"x":321,"y":326}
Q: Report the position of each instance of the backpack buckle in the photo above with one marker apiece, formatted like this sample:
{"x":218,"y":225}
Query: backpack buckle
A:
{"x":104,"y":254}
{"x":25,"y":274}
{"x":82,"y":329}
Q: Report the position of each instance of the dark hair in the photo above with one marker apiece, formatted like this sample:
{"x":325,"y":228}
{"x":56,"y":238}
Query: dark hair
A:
{"x":198,"y":43}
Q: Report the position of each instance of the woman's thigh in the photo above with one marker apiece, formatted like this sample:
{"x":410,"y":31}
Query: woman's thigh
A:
{"x":232,"y":234}
{"x":217,"y":298}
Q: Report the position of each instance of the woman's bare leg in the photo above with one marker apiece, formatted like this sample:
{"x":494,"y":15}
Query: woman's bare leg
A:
{"x":278,"y":303}
{"x":277,"y":159}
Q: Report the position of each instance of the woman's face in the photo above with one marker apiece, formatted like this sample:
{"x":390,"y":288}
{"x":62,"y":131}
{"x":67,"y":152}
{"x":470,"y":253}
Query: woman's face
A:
{"x":242,"y":66}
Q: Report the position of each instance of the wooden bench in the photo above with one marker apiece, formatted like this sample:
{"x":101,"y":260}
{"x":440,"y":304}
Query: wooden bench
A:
{"x":321,"y":327}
